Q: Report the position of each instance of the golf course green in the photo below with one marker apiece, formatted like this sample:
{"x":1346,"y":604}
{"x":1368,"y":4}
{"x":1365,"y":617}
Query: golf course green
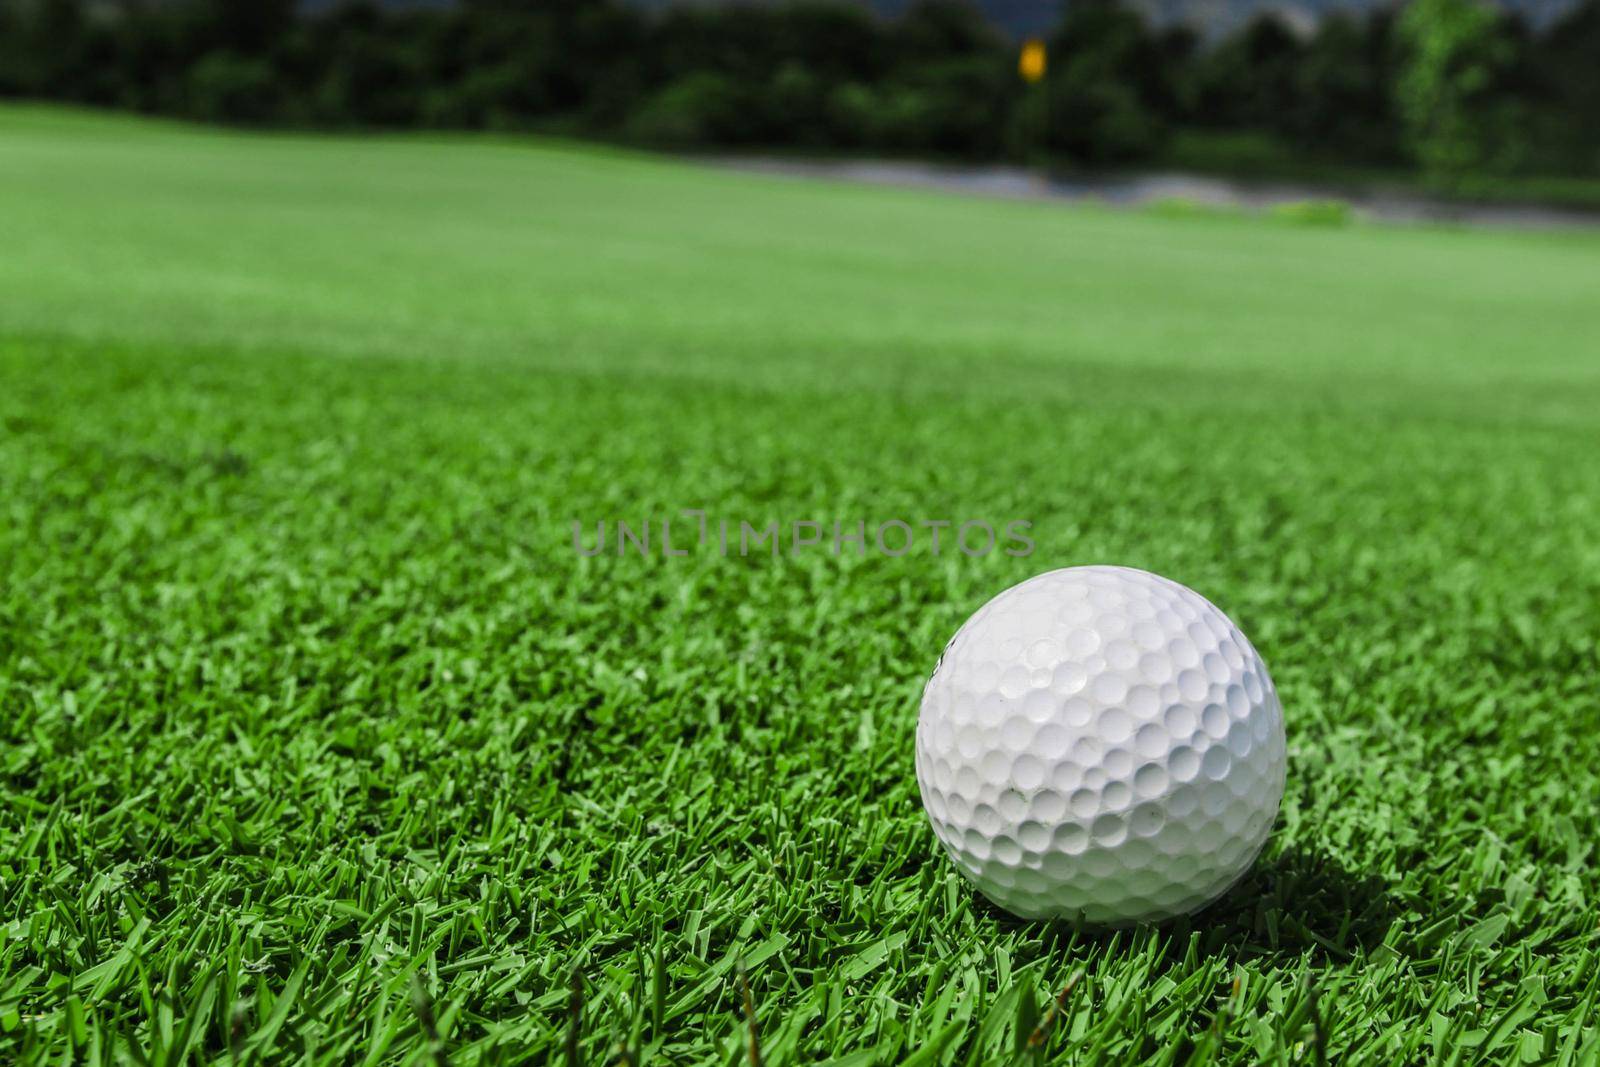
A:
{"x":323,"y":740}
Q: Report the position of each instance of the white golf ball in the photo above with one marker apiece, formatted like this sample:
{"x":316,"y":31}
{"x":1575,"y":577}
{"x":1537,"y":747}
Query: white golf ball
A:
{"x":1101,"y":744}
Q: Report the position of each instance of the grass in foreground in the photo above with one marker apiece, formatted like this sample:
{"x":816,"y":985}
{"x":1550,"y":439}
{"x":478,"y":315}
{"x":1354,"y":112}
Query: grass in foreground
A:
{"x":321,"y":744}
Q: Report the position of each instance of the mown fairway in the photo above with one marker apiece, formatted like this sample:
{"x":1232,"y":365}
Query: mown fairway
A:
{"x":321,"y":744}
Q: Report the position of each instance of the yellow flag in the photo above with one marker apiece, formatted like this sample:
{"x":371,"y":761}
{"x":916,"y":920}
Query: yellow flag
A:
{"x":1030,"y":64}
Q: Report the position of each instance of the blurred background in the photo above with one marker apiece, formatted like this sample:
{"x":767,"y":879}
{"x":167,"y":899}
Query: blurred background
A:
{"x":1455,"y":97}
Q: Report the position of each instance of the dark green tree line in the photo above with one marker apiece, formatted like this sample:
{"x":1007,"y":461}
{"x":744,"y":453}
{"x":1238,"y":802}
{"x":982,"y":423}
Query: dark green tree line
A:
{"x":1451,"y":86}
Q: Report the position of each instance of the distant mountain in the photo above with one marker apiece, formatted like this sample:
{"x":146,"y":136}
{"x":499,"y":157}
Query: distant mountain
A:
{"x":1026,"y":18}
{"x":1029,"y":18}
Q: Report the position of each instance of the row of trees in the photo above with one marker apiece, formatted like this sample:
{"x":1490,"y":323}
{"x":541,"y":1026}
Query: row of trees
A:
{"x":1459,"y":88}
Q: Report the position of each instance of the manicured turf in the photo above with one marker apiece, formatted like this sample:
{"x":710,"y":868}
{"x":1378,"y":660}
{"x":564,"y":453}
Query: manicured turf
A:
{"x":321,"y":744}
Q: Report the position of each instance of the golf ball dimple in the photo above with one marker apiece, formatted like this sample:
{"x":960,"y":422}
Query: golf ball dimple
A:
{"x":1102,"y":744}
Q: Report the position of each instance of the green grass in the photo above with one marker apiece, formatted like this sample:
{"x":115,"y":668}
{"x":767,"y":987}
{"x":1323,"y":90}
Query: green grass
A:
{"x":320,"y":743}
